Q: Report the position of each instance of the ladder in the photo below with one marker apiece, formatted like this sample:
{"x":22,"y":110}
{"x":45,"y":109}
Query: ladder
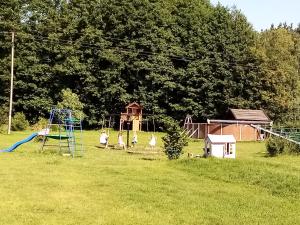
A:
{"x":74,"y":132}
{"x":52,"y":112}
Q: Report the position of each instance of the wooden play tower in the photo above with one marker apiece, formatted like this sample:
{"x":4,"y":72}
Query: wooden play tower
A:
{"x":132,"y":115}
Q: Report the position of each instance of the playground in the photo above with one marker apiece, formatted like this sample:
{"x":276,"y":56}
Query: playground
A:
{"x":114,"y":187}
{"x":122,"y":176}
{"x":148,"y":113}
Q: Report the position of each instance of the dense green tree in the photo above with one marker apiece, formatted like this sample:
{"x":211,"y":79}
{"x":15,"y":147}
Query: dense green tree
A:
{"x":279,"y":71}
{"x":224,"y":76}
{"x":40,"y":69}
{"x":173,"y":56}
{"x":9,"y":22}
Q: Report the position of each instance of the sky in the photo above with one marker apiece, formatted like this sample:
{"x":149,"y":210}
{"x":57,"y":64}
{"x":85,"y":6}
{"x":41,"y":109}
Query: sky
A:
{"x":262,"y":13}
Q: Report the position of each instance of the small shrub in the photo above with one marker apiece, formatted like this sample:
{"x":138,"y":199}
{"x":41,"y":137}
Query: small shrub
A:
{"x":292,"y":148}
{"x":41,"y":124}
{"x":174,"y":141}
{"x":19,"y":122}
{"x":3,"y":115}
{"x":71,"y":101}
{"x":277,"y":145}
{"x":3,"y":128}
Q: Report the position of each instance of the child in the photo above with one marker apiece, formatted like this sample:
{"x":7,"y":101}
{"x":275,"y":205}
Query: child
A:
{"x":152,"y":141}
{"x":104,"y":138}
{"x":120,"y":141}
{"x":134,"y":139}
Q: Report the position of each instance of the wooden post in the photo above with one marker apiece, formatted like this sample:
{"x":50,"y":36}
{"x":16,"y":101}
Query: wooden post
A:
{"x":221,"y":129}
{"x":207,"y":128}
{"x":120,"y":126}
{"x":240,"y":132}
{"x":11,"y":81}
{"x":128,"y":123}
{"x":109,"y":122}
{"x":193,"y":129}
{"x":147,"y":125}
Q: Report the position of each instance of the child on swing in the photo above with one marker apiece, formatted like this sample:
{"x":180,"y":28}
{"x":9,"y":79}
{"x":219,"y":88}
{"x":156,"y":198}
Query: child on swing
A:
{"x":120,"y":141}
{"x":152,"y":141}
{"x":104,"y":138}
{"x":134,"y":139}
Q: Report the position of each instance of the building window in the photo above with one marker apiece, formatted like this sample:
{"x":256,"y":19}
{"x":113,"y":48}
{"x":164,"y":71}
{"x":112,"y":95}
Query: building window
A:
{"x":228,"y":149}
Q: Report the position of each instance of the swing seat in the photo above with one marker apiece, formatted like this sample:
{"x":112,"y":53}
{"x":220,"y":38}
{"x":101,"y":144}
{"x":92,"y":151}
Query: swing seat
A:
{"x":104,"y":145}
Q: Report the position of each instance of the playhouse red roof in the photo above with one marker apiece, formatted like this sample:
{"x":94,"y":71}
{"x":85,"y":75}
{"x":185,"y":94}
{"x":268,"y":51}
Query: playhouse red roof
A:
{"x":134,"y":105}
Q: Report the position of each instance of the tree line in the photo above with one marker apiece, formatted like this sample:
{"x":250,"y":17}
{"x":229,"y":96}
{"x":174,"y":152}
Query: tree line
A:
{"x":175,"y":57}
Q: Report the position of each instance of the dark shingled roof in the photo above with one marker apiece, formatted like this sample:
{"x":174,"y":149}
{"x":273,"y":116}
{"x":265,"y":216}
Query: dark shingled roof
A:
{"x":249,"y":114}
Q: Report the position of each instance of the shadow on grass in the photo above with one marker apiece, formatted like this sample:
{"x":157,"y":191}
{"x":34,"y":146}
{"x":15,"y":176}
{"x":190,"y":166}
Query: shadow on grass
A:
{"x":149,"y":158}
{"x":109,"y":147}
{"x":262,"y":155}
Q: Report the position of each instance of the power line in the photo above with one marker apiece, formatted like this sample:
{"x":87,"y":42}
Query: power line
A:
{"x":89,"y":45}
{"x":137,"y":51}
{"x":82,"y":44}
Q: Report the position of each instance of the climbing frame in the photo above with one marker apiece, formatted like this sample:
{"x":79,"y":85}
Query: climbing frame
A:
{"x":66,"y":131}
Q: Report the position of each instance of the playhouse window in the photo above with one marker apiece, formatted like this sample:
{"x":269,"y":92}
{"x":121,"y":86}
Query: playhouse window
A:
{"x":228,"y":149}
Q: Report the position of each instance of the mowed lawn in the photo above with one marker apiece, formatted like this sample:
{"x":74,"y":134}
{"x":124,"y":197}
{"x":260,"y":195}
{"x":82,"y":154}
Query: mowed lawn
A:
{"x":115,"y":187}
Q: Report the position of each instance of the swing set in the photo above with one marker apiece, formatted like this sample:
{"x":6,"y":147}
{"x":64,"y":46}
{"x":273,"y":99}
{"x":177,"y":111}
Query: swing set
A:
{"x":129,"y":120}
{"x":104,"y":134}
{"x":106,"y":126}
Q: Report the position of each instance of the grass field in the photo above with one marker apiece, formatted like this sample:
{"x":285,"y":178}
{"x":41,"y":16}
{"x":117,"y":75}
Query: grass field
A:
{"x":114,"y":187}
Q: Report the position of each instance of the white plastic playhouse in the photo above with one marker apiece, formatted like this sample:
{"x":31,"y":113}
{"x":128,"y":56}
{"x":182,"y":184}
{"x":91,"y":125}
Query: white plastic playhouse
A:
{"x":220,"y":146}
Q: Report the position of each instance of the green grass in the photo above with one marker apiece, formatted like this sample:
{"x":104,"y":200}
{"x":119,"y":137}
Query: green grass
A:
{"x":114,"y":187}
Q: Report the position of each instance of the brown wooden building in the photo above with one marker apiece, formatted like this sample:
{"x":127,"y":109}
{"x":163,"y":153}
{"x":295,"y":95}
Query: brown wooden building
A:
{"x":236,"y":122}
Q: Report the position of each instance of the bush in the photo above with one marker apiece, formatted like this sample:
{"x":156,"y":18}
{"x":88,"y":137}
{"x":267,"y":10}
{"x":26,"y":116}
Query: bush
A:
{"x":19,"y":122}
{"x":174,"y":141}
{"x":3,"y":115}
{"x":3,"y":128}
{"x":41,"y":124}
{"x":3,"y":119}
{"x":292,"y":148}
{"x":277,"y":145}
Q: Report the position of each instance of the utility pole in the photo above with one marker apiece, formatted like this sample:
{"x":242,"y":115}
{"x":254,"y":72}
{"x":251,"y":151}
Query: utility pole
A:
{"x":11,"y":80}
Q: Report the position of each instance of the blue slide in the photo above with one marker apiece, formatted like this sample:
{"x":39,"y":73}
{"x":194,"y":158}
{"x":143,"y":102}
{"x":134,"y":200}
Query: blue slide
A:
{"x":14,"y":146}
